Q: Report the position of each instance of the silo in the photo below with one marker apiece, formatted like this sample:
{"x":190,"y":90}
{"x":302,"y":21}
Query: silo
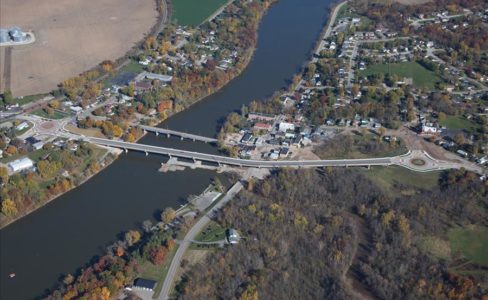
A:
{"x":16,"y":34}
{"x":4,"y":37}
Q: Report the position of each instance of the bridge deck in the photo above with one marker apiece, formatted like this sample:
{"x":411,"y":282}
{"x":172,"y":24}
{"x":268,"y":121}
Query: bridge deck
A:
{"x":185,"y":135}
{"x":242,"y":162}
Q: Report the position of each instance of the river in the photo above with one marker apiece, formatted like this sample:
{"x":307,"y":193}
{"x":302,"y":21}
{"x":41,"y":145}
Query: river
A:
{"x":65,"y":234}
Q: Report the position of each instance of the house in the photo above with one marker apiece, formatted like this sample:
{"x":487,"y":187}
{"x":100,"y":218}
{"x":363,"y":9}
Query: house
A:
{"x":462,"y":153}
{"x":38,"y":145}
{"x":429,"y":128}
{"x":20,"y":165}
{"x":285,"y":126}
{"x":153,"y":76}
{"x":76,"y":109}
{"x":144,"y":284}
{"x":232,"y":236}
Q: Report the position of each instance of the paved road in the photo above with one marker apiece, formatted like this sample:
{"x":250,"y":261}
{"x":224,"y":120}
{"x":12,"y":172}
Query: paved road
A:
{"x":175,"y":264}
{"x":385,"y":161}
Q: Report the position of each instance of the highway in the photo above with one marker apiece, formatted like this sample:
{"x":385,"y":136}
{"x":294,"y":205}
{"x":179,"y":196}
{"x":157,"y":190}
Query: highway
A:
{"x":385,"y":161}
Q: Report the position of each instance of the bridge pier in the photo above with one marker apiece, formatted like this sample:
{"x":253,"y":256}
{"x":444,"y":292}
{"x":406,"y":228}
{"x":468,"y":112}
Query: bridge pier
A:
{"x":181,"y":138}
{"x":157,"y":133}
{"x":193,"y":139}
{"x":125,"y":150}
{"x":168,"y":135}
{"x":146,"y":153}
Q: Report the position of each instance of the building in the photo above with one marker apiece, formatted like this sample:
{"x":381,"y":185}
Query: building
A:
{"x":429,"y":128}
{"x":153,"y":76}
{"x":285,"y":126}
{"x":144,"y":284}
{"x":232,"y":236}
{"x":262,"y":126}
{"x":22,"y":126}
{"x":20,"y":165}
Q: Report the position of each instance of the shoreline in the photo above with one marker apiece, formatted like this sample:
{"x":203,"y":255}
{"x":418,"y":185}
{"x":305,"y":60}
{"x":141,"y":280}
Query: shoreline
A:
{"x":116,"y":156}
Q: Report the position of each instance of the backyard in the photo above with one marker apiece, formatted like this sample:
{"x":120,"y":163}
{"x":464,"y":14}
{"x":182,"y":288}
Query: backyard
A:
{"x":194,"y":12}
{"x":459,"y":123}
{"x":420,"y":75}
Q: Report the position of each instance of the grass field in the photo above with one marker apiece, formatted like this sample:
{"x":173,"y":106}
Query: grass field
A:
{"x":387,"y":177}
{"x":421,"y":76}
{"x":459,"y":123}
{"x":194,"y":12}
{"x":471,"y":242}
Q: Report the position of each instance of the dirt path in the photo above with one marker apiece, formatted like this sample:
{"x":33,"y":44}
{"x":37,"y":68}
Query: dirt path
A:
{"x":352,"y":276}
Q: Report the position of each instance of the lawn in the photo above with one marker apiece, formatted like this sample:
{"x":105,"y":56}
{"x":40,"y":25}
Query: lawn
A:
{"x":471,"y":242}
{"x":194,"y":12}
{"x":130,"y":70}
{"x":421,"y":76}
{"x":212,"y":233}
{"x":459,"y":123}
{"x":387,"y":177}
{"x":56,"y":116}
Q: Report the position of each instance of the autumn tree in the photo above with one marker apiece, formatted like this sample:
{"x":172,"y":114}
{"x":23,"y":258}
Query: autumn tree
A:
{"x":9,"y":208}
{"x":132,"y":237}
{"x":168,"y":215}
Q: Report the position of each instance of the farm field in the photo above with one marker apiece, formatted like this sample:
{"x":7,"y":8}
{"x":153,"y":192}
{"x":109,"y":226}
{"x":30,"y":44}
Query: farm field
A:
{"x":72,"y":36}
{"x":194,"y":12}
{"x":421,"y":76}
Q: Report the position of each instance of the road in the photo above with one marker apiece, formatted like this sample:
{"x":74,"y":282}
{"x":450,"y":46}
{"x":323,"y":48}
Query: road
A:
{"x":384,"y":161}
{"x":198,"y":227}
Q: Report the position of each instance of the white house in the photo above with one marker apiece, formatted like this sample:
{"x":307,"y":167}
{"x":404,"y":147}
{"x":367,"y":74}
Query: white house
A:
{"x":285,"y":126}
{"x":429,"y":128}
{"x":20,"y":165}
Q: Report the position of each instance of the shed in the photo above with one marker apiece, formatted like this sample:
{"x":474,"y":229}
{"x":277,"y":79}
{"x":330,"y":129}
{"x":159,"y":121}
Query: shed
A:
{"x":20,"y":165}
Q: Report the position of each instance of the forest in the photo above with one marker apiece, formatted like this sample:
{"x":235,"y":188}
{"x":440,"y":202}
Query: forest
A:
{"x":338,"y":233}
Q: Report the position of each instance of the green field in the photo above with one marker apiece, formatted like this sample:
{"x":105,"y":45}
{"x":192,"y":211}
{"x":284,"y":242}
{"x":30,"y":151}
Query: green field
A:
{"x":459,"y":123}
{"x":420,"y":75}
{"x":194,"y":12}
{"x":471,"y":242}
{"x":387,"y":177}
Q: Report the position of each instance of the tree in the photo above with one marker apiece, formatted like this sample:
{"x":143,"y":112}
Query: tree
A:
{"x":9,"y":208}
{"x":158,"y":255}
{"x":7,"y":97}
{"x":3,"y":175}
{"x":168,"y":215}
{"x":132,"y":237}
{"x":146,"y":225}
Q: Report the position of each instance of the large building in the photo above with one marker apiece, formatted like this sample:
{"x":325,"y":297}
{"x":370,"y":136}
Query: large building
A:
{"x":20,"y":165}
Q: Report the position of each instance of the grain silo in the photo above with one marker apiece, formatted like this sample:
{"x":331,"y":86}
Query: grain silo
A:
{"x":16,"y":34}
{"x":4,"y":36}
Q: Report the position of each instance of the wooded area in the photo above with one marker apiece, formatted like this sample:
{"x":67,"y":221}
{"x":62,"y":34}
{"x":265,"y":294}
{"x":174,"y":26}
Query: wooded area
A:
{"x":335,"y":234}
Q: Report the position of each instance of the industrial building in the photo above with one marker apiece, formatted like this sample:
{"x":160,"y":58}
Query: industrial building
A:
{"x":12,"y":35}
{"x":21,"y":164}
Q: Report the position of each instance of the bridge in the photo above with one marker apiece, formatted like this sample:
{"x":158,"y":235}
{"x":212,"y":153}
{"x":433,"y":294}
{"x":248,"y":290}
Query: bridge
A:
{"x":230,"y":161}
{"x":180,"y":134}
{"x":415,"y":160}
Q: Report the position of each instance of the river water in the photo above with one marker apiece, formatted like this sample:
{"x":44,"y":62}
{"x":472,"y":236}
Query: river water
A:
{"x":67,"y":233}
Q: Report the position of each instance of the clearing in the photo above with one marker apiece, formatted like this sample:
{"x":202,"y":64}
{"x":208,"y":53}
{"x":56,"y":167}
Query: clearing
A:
{"x":72,"y":36}
{"x":388,"y":177}
{"x":420,"y":75}
{"x":471,"y":242}
{"x":194,"y":12}
{"x":459,"y":123}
